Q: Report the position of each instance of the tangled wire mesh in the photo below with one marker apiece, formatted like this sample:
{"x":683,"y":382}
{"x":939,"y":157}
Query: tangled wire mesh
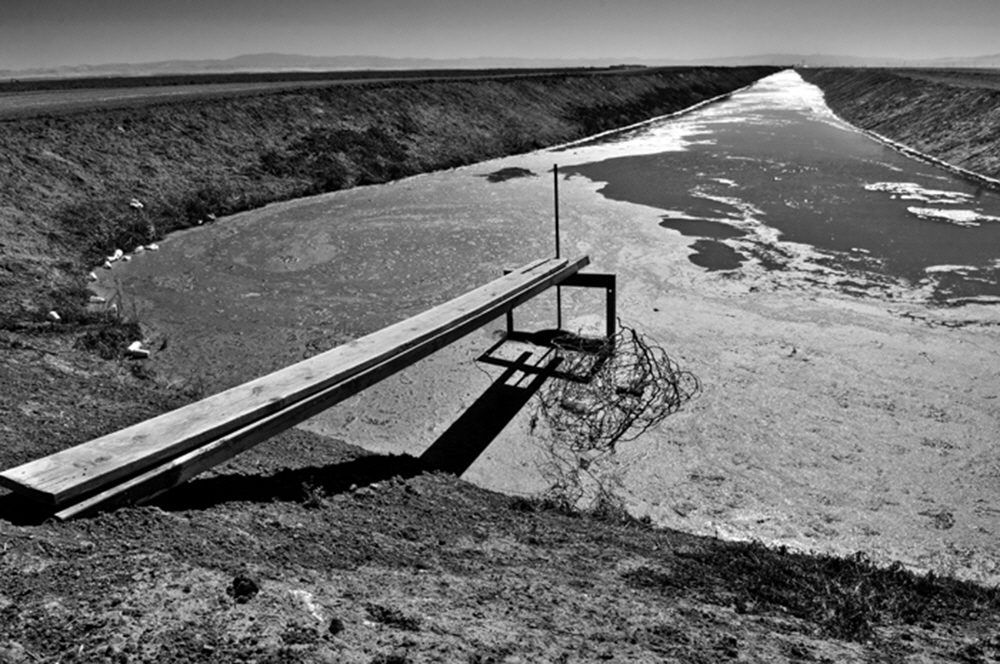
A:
{"x":633,"y":386}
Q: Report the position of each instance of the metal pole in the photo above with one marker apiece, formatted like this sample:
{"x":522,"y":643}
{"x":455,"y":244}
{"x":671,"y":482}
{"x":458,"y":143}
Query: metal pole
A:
{"x":555,"y":186}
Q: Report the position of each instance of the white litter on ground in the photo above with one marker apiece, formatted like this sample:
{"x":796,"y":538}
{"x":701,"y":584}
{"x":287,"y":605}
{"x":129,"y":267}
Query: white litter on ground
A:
{"x":135,"y":350}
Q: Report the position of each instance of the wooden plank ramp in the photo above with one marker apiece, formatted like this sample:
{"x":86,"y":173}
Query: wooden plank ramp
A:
{"x":164,"y":451}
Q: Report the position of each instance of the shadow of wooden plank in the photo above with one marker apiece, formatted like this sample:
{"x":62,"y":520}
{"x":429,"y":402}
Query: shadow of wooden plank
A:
{"x":168,"y":449}
{"x":458,"y":447}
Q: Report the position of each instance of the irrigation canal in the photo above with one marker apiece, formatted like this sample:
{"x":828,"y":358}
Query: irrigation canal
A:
{"x":767,"y":245}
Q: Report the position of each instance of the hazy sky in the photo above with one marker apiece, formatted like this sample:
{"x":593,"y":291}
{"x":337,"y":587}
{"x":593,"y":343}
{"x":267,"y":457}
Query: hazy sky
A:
{"x":41,"y":33}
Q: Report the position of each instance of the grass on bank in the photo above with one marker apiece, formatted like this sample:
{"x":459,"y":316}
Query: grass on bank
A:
{"x":845,"y":597}
{"x":67,"y":203}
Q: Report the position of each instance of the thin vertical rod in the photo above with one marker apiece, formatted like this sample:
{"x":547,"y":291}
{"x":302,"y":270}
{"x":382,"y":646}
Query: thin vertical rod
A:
{"x":555,"y":187}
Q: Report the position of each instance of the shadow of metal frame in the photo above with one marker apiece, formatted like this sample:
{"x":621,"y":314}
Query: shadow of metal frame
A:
{"x":600,"y":348}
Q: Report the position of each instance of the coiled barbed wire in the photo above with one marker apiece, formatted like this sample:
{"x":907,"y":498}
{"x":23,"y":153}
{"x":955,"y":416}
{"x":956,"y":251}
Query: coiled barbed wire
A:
{"x":633,"y":386}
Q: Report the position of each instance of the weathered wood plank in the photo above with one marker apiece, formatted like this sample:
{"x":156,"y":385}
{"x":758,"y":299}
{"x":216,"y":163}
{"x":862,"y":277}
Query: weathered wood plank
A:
{"x":165,"y":476}
{"x":75,"y":472}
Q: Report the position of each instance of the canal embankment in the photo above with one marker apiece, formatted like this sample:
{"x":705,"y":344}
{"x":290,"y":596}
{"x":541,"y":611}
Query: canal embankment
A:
{"x":828,"y":423}
{"x":78,"y":186}
{"x":956,"y":121}
{"x":835,"y":416}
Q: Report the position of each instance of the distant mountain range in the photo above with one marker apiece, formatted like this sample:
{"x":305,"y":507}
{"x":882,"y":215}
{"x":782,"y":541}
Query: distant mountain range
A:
{"x":283,"y":62}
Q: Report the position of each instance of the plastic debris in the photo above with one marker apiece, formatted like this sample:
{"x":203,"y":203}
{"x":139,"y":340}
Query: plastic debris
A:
{"x":135,"y":350}
{"x":139,"y":249}
{"x":97,"y":299}
{"x":92,"y":276}
{"x":126,"y":258}
{"x":107,"y":265}
{"x":210,"y":216}
{"x":152,"y":247}
{"x":135,"y":204}
{"x":54,"y":316}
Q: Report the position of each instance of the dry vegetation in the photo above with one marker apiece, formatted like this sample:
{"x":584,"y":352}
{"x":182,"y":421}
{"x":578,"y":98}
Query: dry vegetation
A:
{"x":68,"y":179}
{"x":951,"y":115}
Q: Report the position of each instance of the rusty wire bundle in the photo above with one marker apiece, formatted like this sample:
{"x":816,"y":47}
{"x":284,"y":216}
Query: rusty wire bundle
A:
{"x":631,"y":386}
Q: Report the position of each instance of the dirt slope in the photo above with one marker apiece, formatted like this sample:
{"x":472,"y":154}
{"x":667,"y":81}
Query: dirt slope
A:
{"x":297,"y":567}
{"x":956,"y":119}
{"x":68,"y":180}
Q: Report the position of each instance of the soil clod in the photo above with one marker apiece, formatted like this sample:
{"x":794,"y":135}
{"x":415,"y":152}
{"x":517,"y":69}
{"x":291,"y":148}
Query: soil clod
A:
{"x":243,"y":589}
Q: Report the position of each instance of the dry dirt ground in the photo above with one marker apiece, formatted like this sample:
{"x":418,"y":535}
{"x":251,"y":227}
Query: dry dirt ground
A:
{"x":307,"y":552}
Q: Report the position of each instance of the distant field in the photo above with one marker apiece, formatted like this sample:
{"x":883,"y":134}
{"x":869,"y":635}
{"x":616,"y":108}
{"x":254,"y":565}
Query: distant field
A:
{"x":58,"y":96}
{"x":969,"y":78}
{"x":69,"y":100}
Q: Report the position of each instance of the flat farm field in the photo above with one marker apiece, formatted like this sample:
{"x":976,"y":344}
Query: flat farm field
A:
{"x":19,"y":99}
{"x":966,"y":78}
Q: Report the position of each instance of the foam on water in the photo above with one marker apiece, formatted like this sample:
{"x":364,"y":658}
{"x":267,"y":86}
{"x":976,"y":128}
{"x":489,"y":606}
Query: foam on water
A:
{"x":785,"y":89}
{"x":677,"y":132}
{"x":967,"y":218}
{"x":960,"y":269}
{"x":911,"y":191}
{"x":780,"y":167}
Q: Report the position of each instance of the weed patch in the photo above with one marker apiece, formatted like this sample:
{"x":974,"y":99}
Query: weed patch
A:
{"x":508,"y":173}
{"x":846,"y":597}
{"x":100,"y":227}
{"x":335,"y":158}
{"x":393,"y":617}
{"x":110,"y":340}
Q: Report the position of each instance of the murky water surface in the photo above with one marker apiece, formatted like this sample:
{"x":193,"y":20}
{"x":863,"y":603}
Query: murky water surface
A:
{"x":775,"y":156}
{"x":756,"y":179}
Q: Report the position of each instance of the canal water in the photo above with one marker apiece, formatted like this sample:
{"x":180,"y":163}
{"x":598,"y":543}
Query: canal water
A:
{"x":785,"y":258}
{"x":774,"y":159}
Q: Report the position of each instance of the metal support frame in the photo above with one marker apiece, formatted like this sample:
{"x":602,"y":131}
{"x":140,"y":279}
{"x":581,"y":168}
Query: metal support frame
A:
{"x":581,"y":280}
{"x":600,"y":347}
